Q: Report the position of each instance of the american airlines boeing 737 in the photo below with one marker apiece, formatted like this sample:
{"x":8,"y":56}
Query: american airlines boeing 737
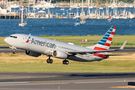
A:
{"x":35,"y":46}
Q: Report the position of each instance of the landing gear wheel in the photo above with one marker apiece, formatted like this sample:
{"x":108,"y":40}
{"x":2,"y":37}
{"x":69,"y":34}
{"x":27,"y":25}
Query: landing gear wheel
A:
{"x":65,"y":62}
{"x":14,"y":52}
{"x":49,"y":61}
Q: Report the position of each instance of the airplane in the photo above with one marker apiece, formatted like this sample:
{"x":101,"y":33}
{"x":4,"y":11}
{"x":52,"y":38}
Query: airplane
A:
{"x":36,"y":46}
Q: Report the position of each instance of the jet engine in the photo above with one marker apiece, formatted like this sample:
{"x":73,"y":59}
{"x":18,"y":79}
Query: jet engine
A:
{"x":31,"y":53}
{"x":59,"y":54}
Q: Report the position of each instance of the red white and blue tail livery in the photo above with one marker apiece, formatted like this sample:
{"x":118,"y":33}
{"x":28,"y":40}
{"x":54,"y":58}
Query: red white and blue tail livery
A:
{"x":105,"y":42}
{"x":35,"y":46}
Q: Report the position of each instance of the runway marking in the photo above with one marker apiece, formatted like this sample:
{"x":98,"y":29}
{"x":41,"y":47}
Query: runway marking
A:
{"x":28,"y":83}
{"x":104,"y":81}
{"x":98,"y":82}
{"x":14,"y":77}
{"x":123,"y":87}
{"x":12,"y":83}
{"x":53,"y":82}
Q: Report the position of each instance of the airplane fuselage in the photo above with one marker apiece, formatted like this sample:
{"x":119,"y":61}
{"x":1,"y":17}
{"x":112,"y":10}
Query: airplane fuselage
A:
{"x":47,"y":47}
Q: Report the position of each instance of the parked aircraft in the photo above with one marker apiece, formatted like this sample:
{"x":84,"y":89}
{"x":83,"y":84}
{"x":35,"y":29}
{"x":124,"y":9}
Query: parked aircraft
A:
{"x":35,"y":46}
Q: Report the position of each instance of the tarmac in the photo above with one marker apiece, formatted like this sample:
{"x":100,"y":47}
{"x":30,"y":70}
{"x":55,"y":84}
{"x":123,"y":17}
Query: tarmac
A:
{"x":66,"y":81}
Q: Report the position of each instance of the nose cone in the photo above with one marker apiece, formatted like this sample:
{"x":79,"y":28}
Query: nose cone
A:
{"x":6,"y":40}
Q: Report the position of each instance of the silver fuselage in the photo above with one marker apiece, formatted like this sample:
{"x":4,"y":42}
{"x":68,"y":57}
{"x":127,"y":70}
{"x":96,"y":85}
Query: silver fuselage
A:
{"x":45,"y":46}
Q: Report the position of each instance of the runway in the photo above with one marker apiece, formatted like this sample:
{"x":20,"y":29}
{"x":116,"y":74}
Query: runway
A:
{"x":66,"y":81}
{"x":8,"y":50}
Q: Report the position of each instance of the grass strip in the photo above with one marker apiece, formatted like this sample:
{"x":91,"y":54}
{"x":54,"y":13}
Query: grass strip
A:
{"x":24,"y":63}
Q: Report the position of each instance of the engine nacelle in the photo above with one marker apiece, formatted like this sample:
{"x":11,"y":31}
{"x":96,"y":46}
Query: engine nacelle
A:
{"x":59,"y":54}
{"x":31,"y":53}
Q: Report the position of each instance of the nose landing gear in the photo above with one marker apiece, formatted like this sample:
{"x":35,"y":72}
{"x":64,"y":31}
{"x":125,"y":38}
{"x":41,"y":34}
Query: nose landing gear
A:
{"x":14,"y":52}
{"x":14,"y":49}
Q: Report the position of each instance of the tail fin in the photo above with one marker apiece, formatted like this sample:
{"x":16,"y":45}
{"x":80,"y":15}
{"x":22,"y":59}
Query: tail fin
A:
{"x":105,"y":42}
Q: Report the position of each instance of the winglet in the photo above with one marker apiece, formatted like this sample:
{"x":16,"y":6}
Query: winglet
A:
{"x":122,"y":47}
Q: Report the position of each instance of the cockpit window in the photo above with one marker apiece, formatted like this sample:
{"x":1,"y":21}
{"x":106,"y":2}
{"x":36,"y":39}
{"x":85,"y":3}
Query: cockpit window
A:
{"x":13,"y":36}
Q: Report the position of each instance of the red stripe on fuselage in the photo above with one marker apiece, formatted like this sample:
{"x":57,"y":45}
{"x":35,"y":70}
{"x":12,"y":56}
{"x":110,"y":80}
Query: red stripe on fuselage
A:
{"x":98,"y":48}
{"x":100,"y":55}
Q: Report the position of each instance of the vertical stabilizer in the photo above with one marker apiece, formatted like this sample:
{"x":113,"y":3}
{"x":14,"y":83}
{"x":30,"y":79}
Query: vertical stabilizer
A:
{"x":105,"y":42}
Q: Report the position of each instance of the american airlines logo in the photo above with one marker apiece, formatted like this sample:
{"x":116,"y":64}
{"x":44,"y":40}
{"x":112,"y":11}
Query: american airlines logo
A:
{"x":28,"y":39}
{"x":43,"y":43}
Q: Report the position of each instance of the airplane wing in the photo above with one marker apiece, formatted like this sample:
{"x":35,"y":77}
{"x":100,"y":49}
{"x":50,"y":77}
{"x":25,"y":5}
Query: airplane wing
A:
{"x":93,"y":51}
{"x":107,"y":54}
{"x":99,"y":51}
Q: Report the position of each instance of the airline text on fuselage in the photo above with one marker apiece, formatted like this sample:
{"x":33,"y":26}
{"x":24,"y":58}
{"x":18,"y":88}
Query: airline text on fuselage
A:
{"x":43,"y":43}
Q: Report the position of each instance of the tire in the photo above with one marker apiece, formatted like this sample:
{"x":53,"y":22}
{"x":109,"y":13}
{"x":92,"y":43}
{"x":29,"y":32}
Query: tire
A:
{"x":65,"y":62}
{"x":49,"y":61}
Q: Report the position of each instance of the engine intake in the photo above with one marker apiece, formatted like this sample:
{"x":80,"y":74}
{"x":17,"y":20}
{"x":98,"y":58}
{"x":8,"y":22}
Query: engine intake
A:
{"x":59,"y":54}
{"x":31,"y":53}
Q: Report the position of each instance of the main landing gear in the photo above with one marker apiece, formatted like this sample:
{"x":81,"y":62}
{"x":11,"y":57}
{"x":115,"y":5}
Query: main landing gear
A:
{"x":65,"y":62}
{"x":49,"y":60}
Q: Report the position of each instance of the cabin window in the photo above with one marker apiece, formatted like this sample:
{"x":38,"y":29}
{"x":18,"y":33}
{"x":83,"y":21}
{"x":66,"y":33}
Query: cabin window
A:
{"x":13,"y":36}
